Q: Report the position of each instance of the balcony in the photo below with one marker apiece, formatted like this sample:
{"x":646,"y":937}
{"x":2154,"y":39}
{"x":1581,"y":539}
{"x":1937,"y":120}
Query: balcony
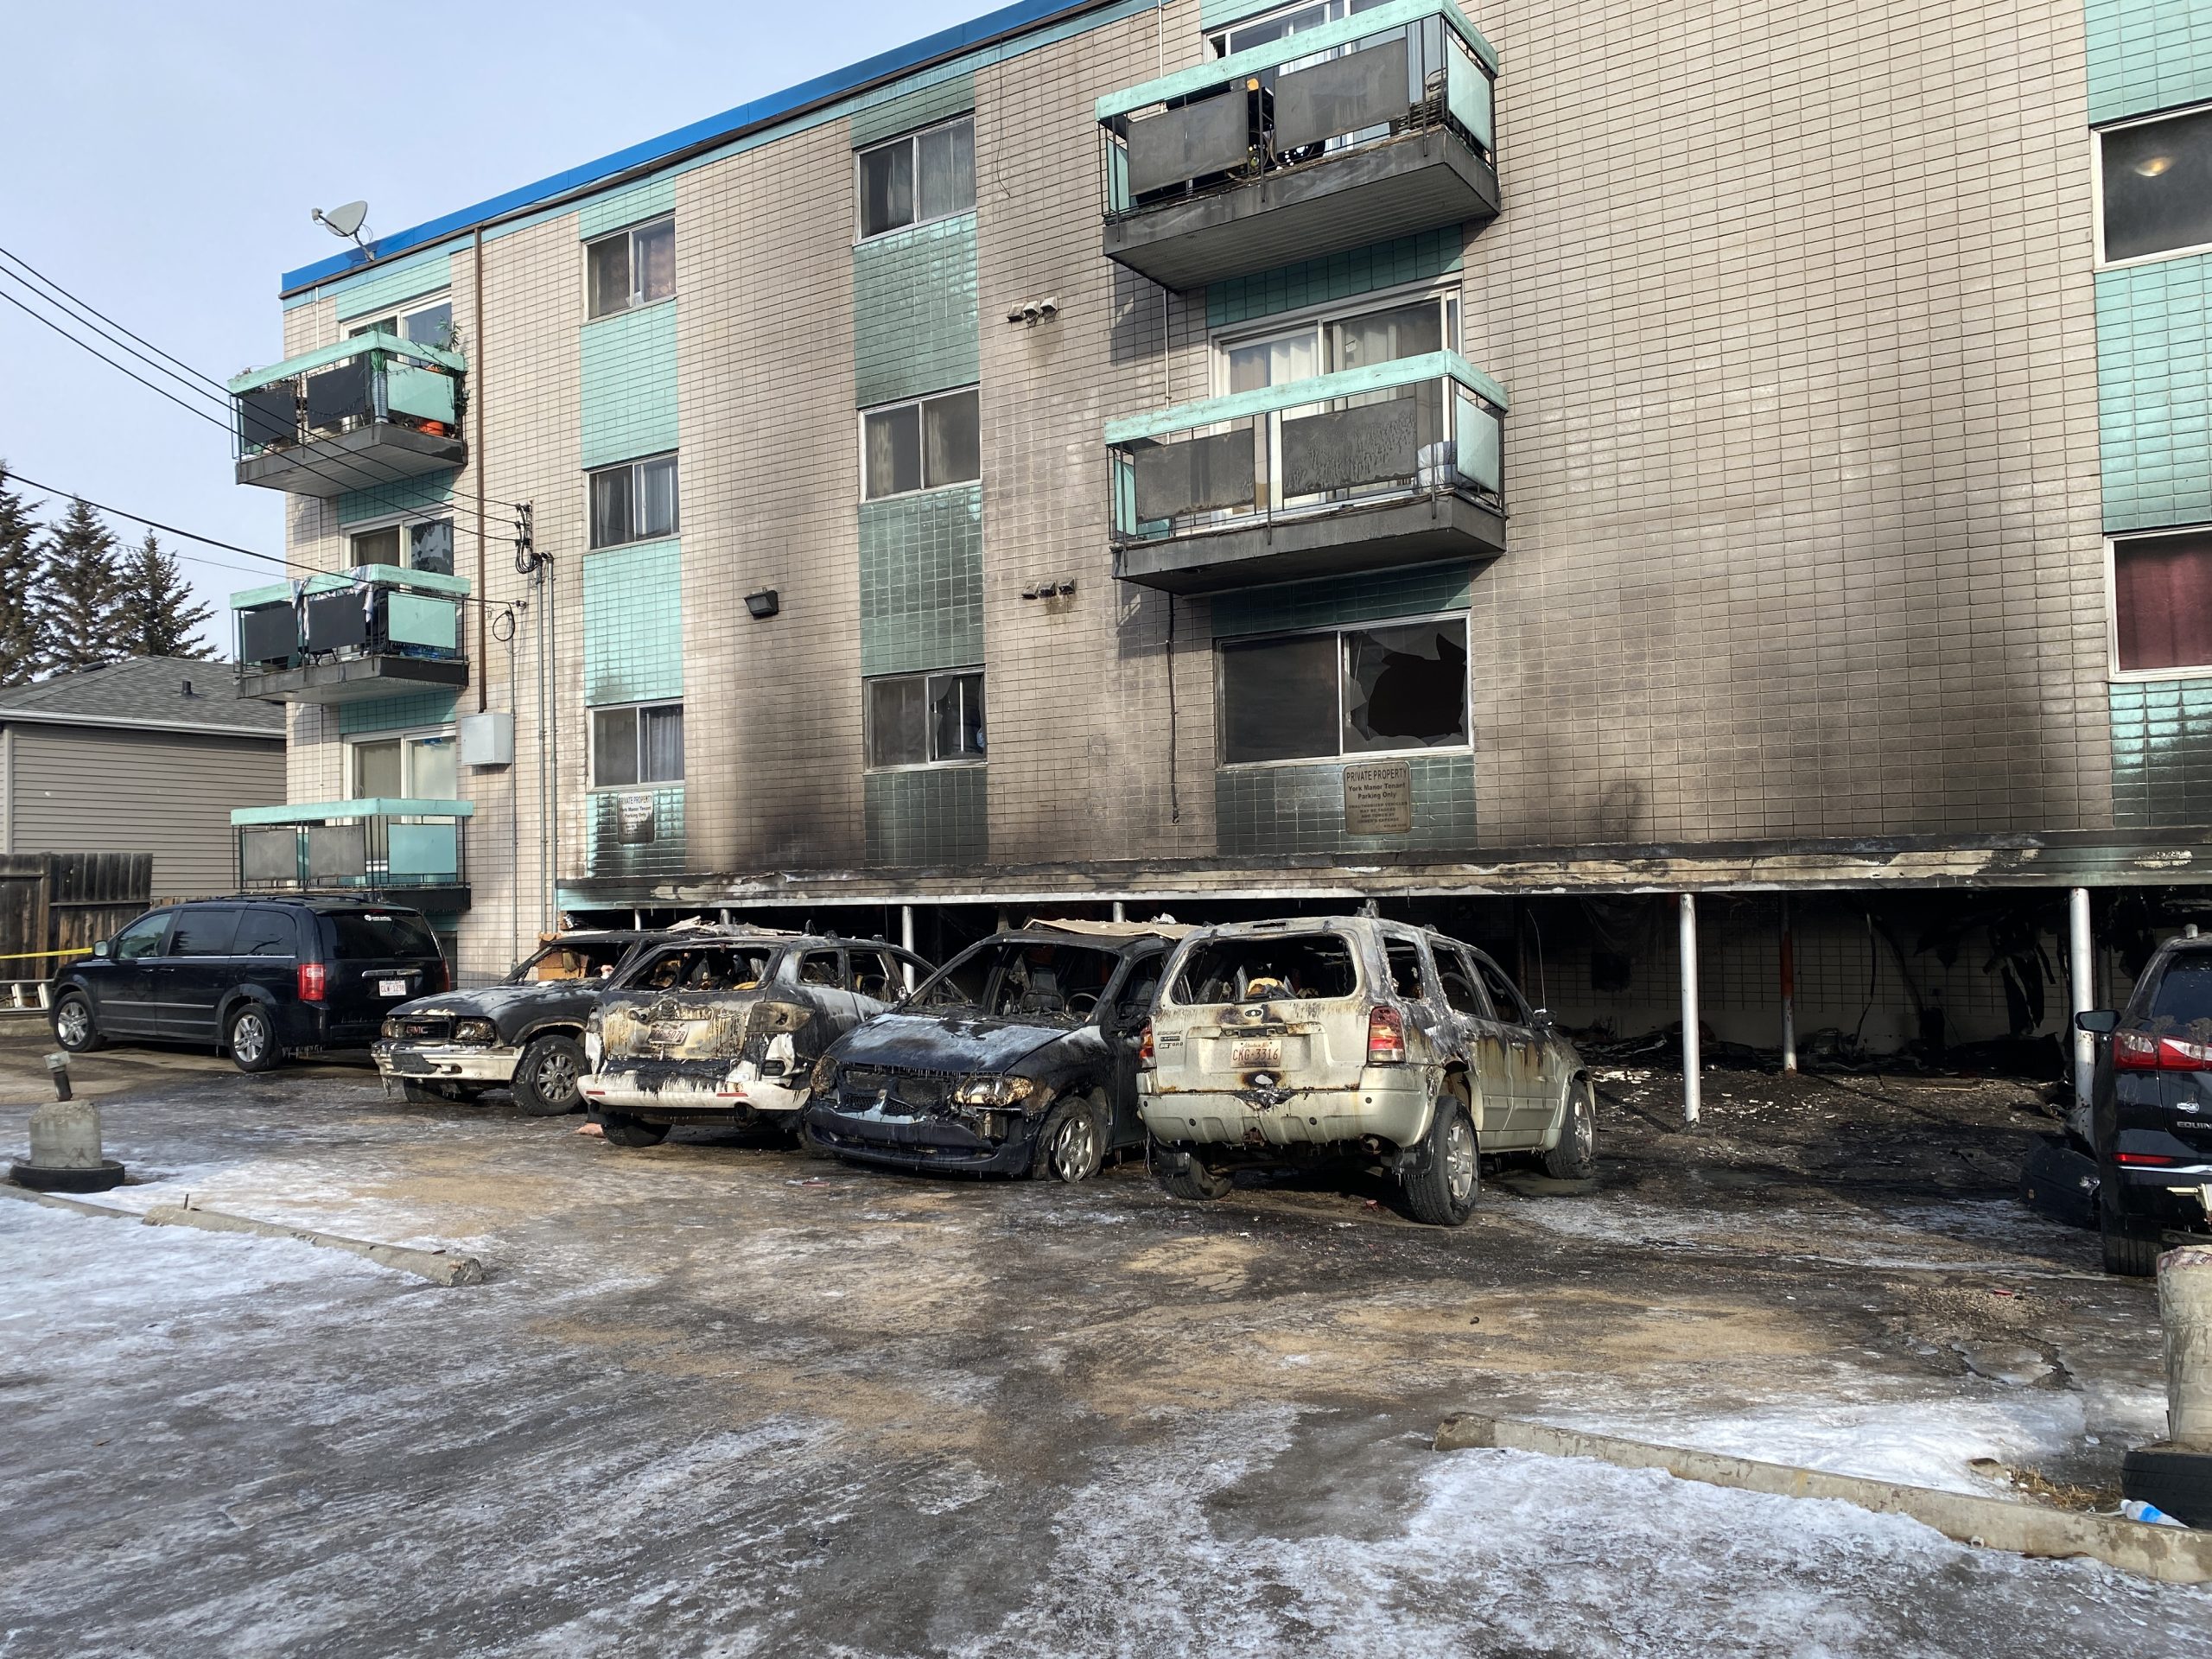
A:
{"x":413,"y":852}
{"x":1375,"y":126}
{"x":370,"y":409}
{"x":373,"y":632}
{"x":1396,"y":463}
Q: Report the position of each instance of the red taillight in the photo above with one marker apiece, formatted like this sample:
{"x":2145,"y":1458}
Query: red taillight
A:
{"x":2154,"y":1159}
{"x":314,"y":980}
{"x":2136,"y":1051}
{"x":1386,"y":1036}
{"x":1144,"y":1048}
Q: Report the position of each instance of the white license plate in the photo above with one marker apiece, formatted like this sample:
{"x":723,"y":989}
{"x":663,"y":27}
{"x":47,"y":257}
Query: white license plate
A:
{"x":668,"y":1035}
{"x":1263,"y":1054}
{"x":391,"y":988}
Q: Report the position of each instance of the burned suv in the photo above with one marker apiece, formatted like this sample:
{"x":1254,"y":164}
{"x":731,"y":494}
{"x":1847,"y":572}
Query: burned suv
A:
{"x":1352,"y":1038}
{"x":524,"y":1034}
{"x":723,"y":1025}
{"x":1018,"y":1058}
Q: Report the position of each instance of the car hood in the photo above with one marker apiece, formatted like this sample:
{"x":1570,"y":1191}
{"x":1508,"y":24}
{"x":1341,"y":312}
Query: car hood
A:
{"x":935,"y":1042}
{"x":496,"y":1003}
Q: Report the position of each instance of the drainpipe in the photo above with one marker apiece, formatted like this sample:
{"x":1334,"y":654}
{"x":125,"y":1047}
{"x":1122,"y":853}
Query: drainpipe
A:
{"x":2082,"y":972}
{"x":1690,"y":1062}
{"x":1788,"y":991}
{"x":476,"y":460}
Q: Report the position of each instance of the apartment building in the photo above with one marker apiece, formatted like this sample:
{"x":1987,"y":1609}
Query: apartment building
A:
{"x":1223,"y":454}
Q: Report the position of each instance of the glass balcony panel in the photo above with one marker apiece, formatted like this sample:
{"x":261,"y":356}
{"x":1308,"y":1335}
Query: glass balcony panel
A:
{"x":337,"y":853}
{"x":339,"y":398}
{"x":1176,"y":480}
{"x":364,"y":412}
{"x":1200,"y":140}
{"x":336,"y":622}
{"x":1361,"y":89}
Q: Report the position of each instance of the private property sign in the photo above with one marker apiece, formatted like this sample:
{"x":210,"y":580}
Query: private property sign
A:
{"x":1379,"y":798}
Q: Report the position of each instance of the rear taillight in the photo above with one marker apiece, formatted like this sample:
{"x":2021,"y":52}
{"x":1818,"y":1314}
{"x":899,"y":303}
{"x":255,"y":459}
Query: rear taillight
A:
{"x":1386,"y":1036}
{"x":437,"y":978}
{"x":2156,"y":1160}
{"x":1144,"y":1048}
{"x":314,"y":981}
{"x":2136,"y":1051}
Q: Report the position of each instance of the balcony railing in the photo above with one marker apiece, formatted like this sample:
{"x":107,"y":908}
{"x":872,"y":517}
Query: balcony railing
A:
{"x":1375,"y":126}
{"x":368,"y":411}
{"x":376,"y":845}
{"x":374,"y":631}
{"x":1359,"y":469}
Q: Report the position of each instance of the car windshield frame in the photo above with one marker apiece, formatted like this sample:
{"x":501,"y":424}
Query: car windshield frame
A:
{"x":520,"y":973}
{"x":774,"y":949}
{"x":915,"y":1000}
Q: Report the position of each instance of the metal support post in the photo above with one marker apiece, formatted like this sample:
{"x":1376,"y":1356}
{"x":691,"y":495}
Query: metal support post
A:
{"x":906,"y":938}
{"x":2080,"y":964}
{"x":1690,"y":1061}
{"x":1119,"y":915}
{"x":1788,"y":991}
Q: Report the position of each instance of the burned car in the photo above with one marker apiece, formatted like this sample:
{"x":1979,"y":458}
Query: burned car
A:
{"x":1018,"y":1058}
{"x":524,"y":1034}
{"x":724,"y":1026}
{"x":1292,"y":1043}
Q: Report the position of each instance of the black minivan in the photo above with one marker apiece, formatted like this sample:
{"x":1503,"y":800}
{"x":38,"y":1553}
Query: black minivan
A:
{"x":260,"y":978}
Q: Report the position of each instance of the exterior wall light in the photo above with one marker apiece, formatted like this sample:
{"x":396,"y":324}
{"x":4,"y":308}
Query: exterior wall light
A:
{"x":763,"y":605}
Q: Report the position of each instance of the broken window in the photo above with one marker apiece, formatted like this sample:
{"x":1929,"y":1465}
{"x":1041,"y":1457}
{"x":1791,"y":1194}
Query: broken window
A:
{"x":1406,"y":688}
{"x":921,"y":446}
{"x":572,"y":960}
{"x":631,"y":268}
{"x":1457,"y":975}
{"x":1347,"y":691}
{"x":1502,"y":996}
{"x":1304,"y":966}
{"x":918,"y":177}
{"x":2162,"y":602}
{"x":2156,"y":179}
{"x":704,"y":968}
{"x":918,"y":720}
{"x":1023,"y":978}
{"x":638,"y":743}
{"x":1404,"y":958}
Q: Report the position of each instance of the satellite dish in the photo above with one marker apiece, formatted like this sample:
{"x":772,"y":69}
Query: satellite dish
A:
{"x":345,"y":221}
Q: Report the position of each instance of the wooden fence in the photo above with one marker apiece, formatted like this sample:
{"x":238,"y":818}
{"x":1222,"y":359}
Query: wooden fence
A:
{"x":53,"y":905}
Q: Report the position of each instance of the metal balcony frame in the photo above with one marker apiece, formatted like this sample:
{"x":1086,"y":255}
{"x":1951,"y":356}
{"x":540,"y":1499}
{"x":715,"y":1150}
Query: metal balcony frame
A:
{"x":379,"y":667}
{"x":436,"y":890}
{"x":388,"y":447}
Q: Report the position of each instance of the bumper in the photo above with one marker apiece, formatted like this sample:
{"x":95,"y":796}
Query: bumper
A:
{"x":1393,"y":1107}
{"x":446,"y":1062}
{"x":2180,"y":1198}
{"x":924,"y":1141}
{"x":678,"y":1091}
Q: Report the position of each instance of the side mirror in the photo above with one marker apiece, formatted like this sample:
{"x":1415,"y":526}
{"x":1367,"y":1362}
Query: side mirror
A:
{"x":1542,"y":1019}
{"x":99,"y":947}
{"x":2099,"y":1021}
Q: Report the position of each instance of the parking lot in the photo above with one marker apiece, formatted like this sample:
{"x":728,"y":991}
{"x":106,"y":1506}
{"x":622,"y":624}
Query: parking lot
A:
{"x":717,"y":1397}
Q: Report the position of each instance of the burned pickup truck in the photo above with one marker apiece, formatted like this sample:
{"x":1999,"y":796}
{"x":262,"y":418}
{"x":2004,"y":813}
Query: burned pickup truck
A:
{"x":1019,"y":1057}
{"x":724,"y":1025}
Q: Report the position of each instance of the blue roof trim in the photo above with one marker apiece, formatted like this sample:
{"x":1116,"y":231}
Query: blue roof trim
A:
{"x":730,"y":123}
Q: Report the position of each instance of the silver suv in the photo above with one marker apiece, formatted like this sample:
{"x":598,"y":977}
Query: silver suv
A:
{"x":1351,"y":1038}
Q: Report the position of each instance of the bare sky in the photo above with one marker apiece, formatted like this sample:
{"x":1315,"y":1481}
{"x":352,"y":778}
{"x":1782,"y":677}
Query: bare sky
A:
{"x":163,"y":159}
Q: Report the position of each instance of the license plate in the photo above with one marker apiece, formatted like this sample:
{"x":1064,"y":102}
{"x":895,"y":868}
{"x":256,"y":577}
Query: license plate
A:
{"x":668,"y":1035}
{"x":1257,"y":1055}
{"x":391,"y":988}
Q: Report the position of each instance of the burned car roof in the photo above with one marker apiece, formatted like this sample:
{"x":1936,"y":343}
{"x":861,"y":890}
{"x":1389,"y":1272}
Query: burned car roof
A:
{"x":1120,"y":932}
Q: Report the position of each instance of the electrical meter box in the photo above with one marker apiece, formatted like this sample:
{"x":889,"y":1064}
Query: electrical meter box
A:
{"x":487,"y":739}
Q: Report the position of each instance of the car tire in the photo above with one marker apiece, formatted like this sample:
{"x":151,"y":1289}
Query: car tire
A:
{"x":1184,"y":1177}
{"x":1575,"y":1157}
{"x":808,"y":1146}
{"x":1443,"y":1188}
{"x":74,"y":1027}
{"x":621,"y":1129}
{"x":547,"y":1075}
{"x":1071,"y":1147}
{"x":2130,"y":1251}
{"x":252,"y":1040}
{"x":2170,"y":1478}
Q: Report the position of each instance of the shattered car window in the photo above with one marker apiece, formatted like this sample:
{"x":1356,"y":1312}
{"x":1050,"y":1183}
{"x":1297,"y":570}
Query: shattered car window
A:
{"x":705,"y":968}
{"x":2184,"y":997}
{"x":576,"y":959}
{"x":1022,"y":979}
{"x":1307,"y":967}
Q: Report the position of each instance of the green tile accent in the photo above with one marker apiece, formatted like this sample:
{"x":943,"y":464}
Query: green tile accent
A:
{"x":922,"y":580}
{"x":2147,"y":54}
{"x":1414,"y":590}
{"x":928,"y":816}
{"x":403,"y":279}
{"x":629,"y":385}
{"x":1212,"y":14}
{"x":1260,"y":810}
{"x":430,"y":490}
{"x":888,"y":113}
{"x":2154,"y":392}
{"x":626,"y":207}
{"x":915,"y":318}
{"x":1338,"y":276}
{"x":391,"y":714}
{"x":633,"y":623}
{"x":607,"y":853}
{"x":2161,"y":754}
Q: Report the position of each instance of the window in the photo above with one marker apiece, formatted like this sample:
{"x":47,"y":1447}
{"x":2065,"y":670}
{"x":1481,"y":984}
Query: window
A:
{"x":265,"y":933}
{"x":1350,"y":339}
{"x":378,"y":936}
{"x":1365,"y":691}
{"x":1404,"y":958}
{"x":2155,"y":186}
{"x":704,"y":968}
{"x":877,"y":974}
{"x":630,"y":268}
{"x":424,"y":544}
{"x":2162,"y":603}
{"x":640,"y":743}
{"x":921,"y":446}
{"x":1023,"y":978}
{"x":205,"y":930}
{"x":572,"y":959}
{"x":426,"y":321}
{"x":141,"y":938}
{"x":920,"y":720}
{"x":634,"y":502}
{"x":1502,"y":997}
{"x":1457,"y":976}
{"x":925,"y":175}
{"x":1276,"y":25}
{"x":1305,"y":966}
{"x":420,"y":766}
{"x":1133,"y":1002}
{"x":820,"y":968}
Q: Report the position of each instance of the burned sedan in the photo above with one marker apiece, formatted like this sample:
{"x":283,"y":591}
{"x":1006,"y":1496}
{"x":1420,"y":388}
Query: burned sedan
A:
{"x":1019,"y":1057}
{"x":724,"y":1026}
{"x":525,"y":1033}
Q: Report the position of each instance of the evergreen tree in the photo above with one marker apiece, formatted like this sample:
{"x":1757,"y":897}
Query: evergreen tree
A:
{"x":18,"y":588}
{"x":159,"y":618}
{"x":79,"y":607}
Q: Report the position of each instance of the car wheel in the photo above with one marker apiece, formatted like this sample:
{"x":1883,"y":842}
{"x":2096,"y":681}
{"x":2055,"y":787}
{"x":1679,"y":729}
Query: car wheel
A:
{"x":808,"y":1146}
{"x":1070,"y":1147}
{"x":1442,"y":1191}
{"x":1575,"y":1157}
{"x":251,"y":1041}
{"x":73,"y":1023}
{"x":436,"y":1094}
{"x":2130,"y":1251}
{"x":1184,"y":1177}
{"x":623,"y":1130}
{"x":546,"y":1076}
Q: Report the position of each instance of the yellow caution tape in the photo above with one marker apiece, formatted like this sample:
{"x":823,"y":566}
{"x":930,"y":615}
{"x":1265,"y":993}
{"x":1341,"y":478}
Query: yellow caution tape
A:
{"x":33,"y":956}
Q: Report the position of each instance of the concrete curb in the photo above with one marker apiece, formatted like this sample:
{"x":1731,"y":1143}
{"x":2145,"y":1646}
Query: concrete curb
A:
{"x":2172,"y":1554}
{"x":436,"y":1265}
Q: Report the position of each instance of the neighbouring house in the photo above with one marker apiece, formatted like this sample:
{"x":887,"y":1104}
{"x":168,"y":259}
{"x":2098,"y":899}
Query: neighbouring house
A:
{"x":147,"y":755}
